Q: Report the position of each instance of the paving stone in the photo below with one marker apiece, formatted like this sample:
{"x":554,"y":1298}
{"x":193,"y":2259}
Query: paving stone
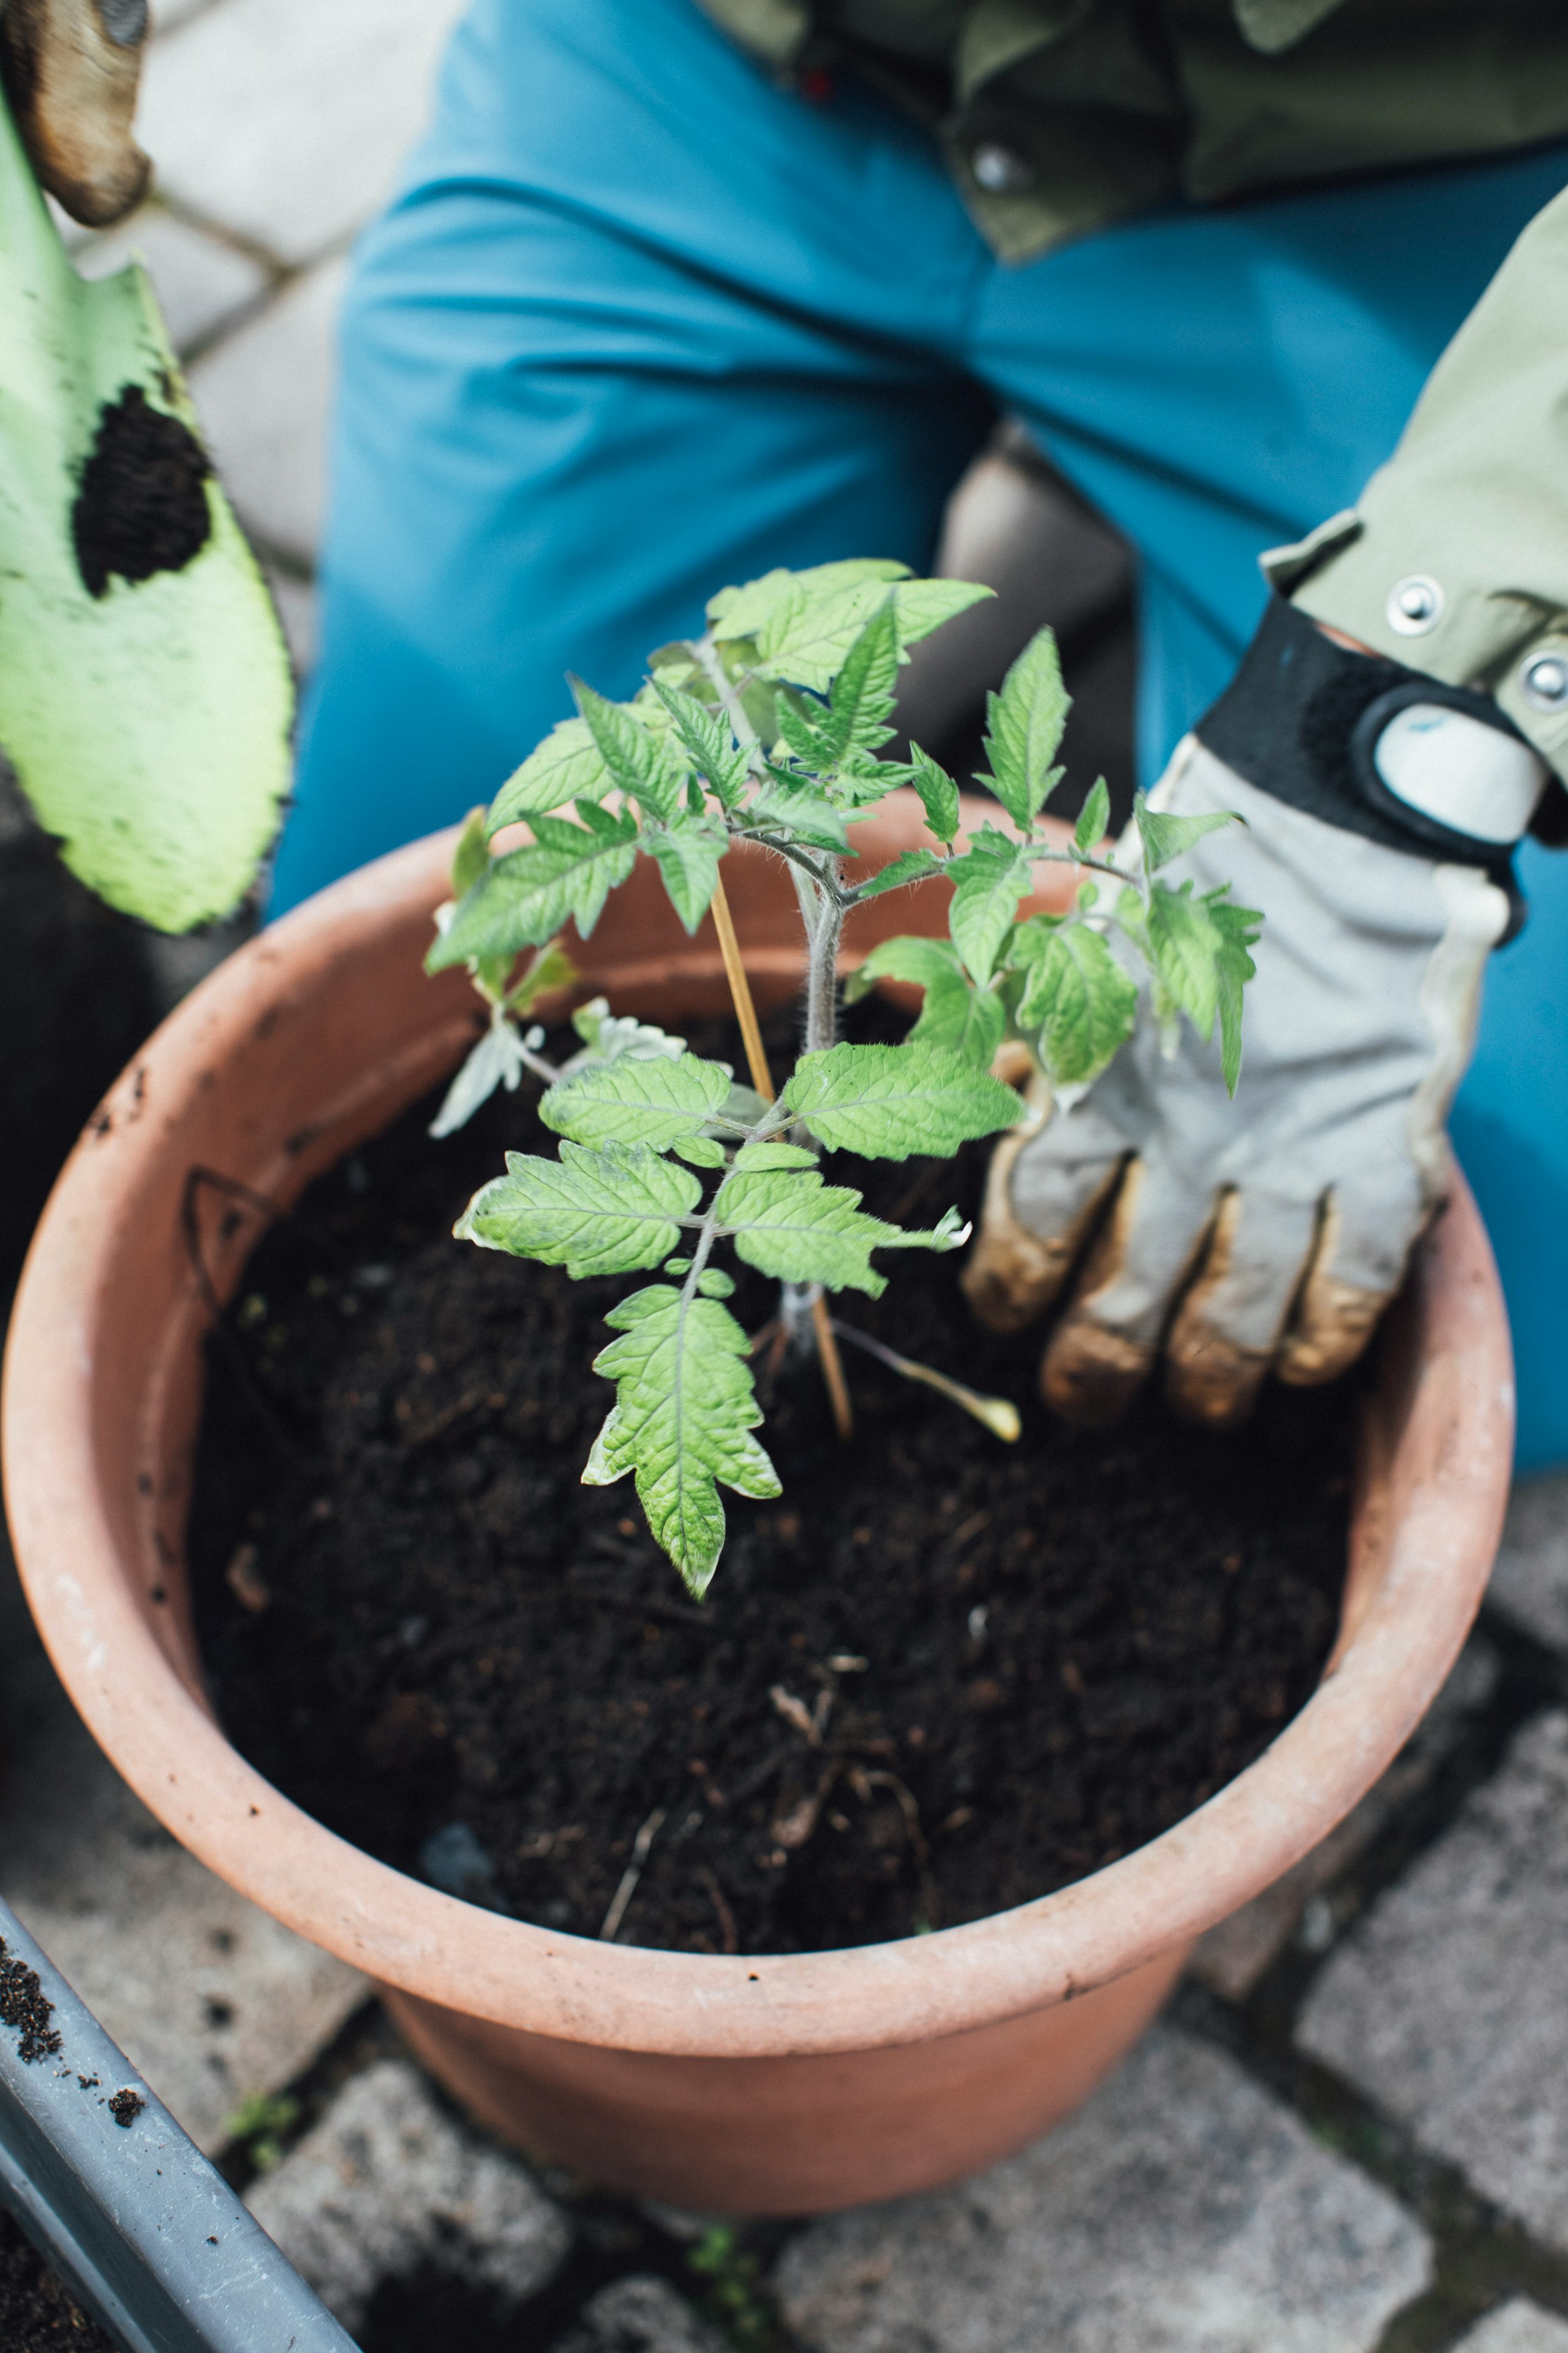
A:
{"x":640,"y":2314}
{"x":286,"y":120}
{"x":1447,"y":2004}
{"x":388,"y":2185}
{"x":1182,"y":2211}
{"x":1233,"y":1957}
{"x":1517,"y":2327}
{"x":205,"y":1994}
{"x":295,"y":602}
{"x":199,"y":280}
{"x":1529,"y":1583}
{"x":263,"y":396}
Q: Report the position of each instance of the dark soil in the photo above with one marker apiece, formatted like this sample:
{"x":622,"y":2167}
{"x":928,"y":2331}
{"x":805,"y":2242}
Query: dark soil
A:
{"x":939,"y":1677}
{"x":25,"y":2005}
{"x":38,"y":2314}
{"x":141,"y":507}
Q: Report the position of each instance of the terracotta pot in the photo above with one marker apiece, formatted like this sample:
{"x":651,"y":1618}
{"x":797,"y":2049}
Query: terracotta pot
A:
{"x":783,"y":2085}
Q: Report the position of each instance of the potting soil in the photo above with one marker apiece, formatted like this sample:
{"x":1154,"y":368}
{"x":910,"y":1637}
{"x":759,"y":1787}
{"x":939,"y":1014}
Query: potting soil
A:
{"x":938,"y":1676}
{"x":37,"y":2312}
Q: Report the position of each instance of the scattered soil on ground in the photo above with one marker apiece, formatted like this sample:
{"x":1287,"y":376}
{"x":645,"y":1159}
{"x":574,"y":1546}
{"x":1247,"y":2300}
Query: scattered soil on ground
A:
{"x":939,"y":1676}
{"x":38,"y":2313}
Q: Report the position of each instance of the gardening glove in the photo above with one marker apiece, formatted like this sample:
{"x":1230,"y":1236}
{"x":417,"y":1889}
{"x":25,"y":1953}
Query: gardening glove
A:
{"x":71,"y":70}
{"x":1267,"y":1232}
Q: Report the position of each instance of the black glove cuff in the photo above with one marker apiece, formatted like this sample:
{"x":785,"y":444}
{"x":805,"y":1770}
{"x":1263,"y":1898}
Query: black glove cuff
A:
{"x":1301,"y":718}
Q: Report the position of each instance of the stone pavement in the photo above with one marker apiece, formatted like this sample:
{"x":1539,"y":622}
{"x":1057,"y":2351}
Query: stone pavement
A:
{"x":1349,"y":2136}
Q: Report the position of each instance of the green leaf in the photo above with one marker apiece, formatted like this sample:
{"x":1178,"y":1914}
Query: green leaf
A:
{"x":551,"y":968}
{"x":786,"y":806}
{"x":1184,"y":944}
{"x":1077,"y":995}
{"x":990,"y":880}
{"x":472,"y":854}
{"x":1095,"y":815}
{"x":149,"y":723}
{"x":1238,"y":928}
{"x":967,"y":1021}
{"x":804,"y":735}
{"x":887,"y":1101}
{"x":567,"y":766}
{"x":564,"y":875}
{"x":863,"y":692}
{"x":925,"y":604}
{"x":741,"y":612}
{"x":788,"y":1224}
{"x":1164,"y":836}
{"x":496,"y":1060}
{"x":937,"y":791}
{"x":710,"y":746}
{"x":714,"y":1284}
{"x":682,"y":1421}
{"x":604,"y":1212}
{"x":701,"y":1151}
{"x":742,"y":1107}
{"x":908,"y":957}
{"x":633,"y":1101}
{"x":608,"y":1036}
{"x":688,"y":852}
{"x":910,"y":866}
{"x":639,"y":763}
{"x":772,"y":1154}
{"x":1024,"y":727}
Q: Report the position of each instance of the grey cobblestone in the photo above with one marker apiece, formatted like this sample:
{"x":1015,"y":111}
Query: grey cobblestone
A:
{"x":387,"y":2183}
{"x":640,"y":2314}
{"x":263,"y":396}
{"x":1517,"y":2327}
{"x":1529,"y":1583}
{"x":199,"y":282}
{"x":1449,"y":2004}
{"x":1182,"y":2211}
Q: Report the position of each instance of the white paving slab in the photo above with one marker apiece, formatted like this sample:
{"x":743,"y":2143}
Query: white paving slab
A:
{"x":1517,"y":2327}
{"x":263,"y":396}
{"x":200,"y":281}
{"x":1182,"y":2211}
{"x":286,"y":120}
{"x":387,"y":2184}
{"x":1449,"y":2004}
{"x":639,"y":2315}
{"x":207,"y":1996}
{"x":1529,"y":1583}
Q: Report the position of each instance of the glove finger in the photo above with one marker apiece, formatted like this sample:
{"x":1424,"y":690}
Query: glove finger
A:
{"x":1104,"y":1345}
{"x":1358,"y":1263}
{"x":1229,"y":1325}
{"x":71,"y":70}
{"x":1045,"y":1191}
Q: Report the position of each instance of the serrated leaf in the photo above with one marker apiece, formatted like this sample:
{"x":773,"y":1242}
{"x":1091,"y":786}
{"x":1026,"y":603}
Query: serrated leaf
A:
{"x":609,"y":1211}
{"x":496,"y":1060}
{"x":938,"y":792}
{"x":1165,"y":836}
{"x":783,"y":805}
{"x":989,"y":881}
{"x":803,"y":736}
{"x":1024,"y":727}
{"x":1077,"y":995}
{"x":640,"y":763}
{"x":567,"y":766}
{"x":701,"y":1151}
{"x":925,"y":604}
{"x":688,"y":852}
{"x":863,"y":692}
{"x":682,"y":1421}
{"x":788,"y":1224}
{"x":710,"y":744}
{"x":1094,"y":818}
{"x":769,"y":1152}
{"x":564,"y":875}
{"x":714,"y":1284}
{"x":908,"y":957}
{"x":608,"y":1036}
{"x":741,"y":612}
{"x":910,"y":866}
{"x":472,"y":853}
{"x":1184,"y":944}
{"x":1238,"y":928}
{"x":860,"y":780}
{"x":889,"y":1102}
{"x":967,"y":1021}
{"x":632,"y":1101}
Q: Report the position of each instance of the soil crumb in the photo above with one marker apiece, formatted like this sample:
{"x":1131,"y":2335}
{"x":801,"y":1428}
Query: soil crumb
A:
{"x":37,"y":2312}
{"x":938,"y":1677}
{"x":142,"y":505}
{"x":24,"y":2004}
{"x":125,"y":2107}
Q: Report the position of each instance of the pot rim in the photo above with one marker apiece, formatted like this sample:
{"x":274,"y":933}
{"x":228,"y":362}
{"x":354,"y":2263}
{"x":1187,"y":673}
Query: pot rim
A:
{"x":1417,"y":1572}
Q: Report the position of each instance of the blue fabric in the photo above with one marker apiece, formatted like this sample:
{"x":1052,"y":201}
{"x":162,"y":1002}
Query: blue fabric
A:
{"x":640,"y":323}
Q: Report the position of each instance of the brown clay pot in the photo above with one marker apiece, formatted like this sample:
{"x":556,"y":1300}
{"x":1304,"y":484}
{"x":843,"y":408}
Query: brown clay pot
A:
{"x":783,"y":2085}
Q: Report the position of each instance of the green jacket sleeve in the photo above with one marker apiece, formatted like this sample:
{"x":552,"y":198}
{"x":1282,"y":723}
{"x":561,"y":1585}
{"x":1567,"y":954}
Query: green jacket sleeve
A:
{"x":1455,"y":560}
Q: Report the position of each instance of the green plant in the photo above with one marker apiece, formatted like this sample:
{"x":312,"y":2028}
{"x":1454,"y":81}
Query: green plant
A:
{"x":260,"y":2124}
{"x":770,"y":728}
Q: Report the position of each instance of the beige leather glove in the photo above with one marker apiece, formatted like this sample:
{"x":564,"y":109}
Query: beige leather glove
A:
{"x":1268,"y":1231}
{"x":71,"y":70}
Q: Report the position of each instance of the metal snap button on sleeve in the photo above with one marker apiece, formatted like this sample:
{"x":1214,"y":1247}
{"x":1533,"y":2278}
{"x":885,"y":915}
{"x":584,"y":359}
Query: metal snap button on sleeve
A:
{"x":1001,"y":171}
{"x":1414,"y":605}
{"x":1544,"y":683}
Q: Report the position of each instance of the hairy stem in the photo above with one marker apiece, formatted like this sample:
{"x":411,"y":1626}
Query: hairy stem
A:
{"x":822,"y":973}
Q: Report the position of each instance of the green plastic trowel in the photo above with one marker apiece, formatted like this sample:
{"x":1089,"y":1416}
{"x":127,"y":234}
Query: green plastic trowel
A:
{"x":145,"y":692}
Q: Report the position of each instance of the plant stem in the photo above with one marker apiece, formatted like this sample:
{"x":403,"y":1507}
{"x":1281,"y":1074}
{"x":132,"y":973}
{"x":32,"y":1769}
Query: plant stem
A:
{"x":822,"y":973}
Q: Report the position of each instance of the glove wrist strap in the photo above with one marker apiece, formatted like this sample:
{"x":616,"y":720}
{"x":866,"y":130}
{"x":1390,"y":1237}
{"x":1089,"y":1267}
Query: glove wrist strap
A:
{"x":1301,"y":721}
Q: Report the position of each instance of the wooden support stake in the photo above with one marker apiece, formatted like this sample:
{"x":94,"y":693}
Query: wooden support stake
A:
{"x":757,"y":1060}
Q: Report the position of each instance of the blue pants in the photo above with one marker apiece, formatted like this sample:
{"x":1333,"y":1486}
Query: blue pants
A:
{"x":641,"y":323}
